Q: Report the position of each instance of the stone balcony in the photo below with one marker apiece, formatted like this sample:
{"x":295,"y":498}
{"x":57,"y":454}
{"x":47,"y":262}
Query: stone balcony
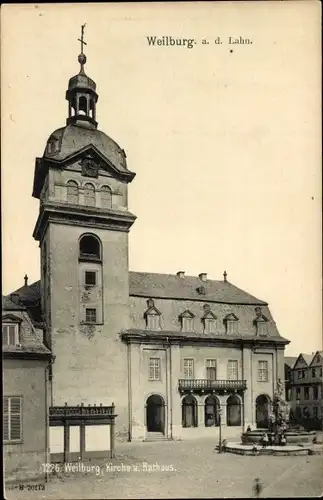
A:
{"x":205,"y":385}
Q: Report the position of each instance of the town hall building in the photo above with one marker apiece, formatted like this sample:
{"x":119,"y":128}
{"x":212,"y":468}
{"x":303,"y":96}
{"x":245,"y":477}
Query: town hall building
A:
{"x":176,"y":354}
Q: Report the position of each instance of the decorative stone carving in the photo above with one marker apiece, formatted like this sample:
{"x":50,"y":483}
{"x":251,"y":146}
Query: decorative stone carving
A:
{"x":90,"y":167}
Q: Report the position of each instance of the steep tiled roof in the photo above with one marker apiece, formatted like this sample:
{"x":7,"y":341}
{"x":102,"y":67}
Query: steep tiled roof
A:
{"x":30,"y":293}
{"x":9,"y":305}
{"x":172,"y":287}
{"x":168,"y":286}
{"x":307,"y":358}
{"x":290,"y":361}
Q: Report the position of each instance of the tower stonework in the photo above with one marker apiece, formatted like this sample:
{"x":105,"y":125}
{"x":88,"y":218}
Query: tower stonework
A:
{"x":82,"y":228}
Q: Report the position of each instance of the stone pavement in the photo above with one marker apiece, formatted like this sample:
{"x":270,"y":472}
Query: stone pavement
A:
{"x":188,"y":469}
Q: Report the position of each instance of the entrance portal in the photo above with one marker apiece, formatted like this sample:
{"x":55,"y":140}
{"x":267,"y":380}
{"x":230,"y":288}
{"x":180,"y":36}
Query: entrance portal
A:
{"x":155,"y":413}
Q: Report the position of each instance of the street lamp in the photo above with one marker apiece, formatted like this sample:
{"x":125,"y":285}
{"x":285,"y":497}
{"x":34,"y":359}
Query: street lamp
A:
{"x":220,"y":430}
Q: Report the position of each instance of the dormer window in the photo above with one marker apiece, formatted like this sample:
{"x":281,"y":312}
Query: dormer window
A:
{"x":152,"y":316}
{"x":10,"y":334}
{"x":261,"y":323}
{"x":209,"y":320}
{"x":231,"y":322}
{"x":187,"y":321}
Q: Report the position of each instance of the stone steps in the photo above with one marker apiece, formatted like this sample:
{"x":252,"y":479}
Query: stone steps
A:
{"x":155,"y":436}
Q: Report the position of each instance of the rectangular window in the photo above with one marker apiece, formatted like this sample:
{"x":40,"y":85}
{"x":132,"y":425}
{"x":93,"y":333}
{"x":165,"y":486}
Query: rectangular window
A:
{"x":154,"y":369}
{"x":211,"y":369}
{"x":232,"y":327}
{"x":12,"y":418}
{"x":90,"y":315}
{"x":188,"y":368}
{"x":152,"y":322}
{"x":232,"y":369}
{"x":306,"y":393}
{"x":10,"y":335}
{"x":209,"y":325}
{"x":315,"y":411}
{"x":298,"y":392}
{"x":262,"y":371}
{"x":90,"y":278}
{"x":315,"y":393}
{"x":262,"y":328}
{"x":321,"y":372}
{"x":313,"y":372}
{"x":299,"y":374}
{"x":187,"y":324}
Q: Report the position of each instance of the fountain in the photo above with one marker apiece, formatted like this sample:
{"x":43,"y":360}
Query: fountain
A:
{"x":279,"y":425}
{"x":283,"y":438}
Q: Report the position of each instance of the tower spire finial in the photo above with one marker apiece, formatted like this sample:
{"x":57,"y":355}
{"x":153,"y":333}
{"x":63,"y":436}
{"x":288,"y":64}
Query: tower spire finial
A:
{"x":82,"y":56}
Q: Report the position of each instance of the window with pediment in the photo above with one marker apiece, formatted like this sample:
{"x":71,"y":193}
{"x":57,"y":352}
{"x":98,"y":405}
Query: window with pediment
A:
{"x":152,"y":316}
{"x":261,"y":323}
{"x":209,"y":320}
{"x":231,"y":322}
{"x":187,"y":321}
{"x":10,"y":330}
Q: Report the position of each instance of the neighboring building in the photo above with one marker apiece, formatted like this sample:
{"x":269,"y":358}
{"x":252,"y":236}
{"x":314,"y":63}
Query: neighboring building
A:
{"x":168,"y":350}
{"x":289,"y":365}
{"x":306,"y":389}
{"x":25,"y":364}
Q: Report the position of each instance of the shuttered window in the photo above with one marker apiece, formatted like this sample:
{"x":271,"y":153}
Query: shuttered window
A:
{"x":10,"y":334}
{"x":12,"y":418}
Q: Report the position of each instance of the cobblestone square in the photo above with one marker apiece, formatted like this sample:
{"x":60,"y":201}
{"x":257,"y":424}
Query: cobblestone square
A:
{"x":190,"y":469}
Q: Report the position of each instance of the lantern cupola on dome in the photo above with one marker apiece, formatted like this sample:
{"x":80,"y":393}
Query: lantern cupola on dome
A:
{"x":81,"y":94}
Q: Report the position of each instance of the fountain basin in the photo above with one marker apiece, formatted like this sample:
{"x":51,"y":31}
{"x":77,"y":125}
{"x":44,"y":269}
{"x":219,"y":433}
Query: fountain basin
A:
{"x":293,"y":437}
{"x":256,"y":450}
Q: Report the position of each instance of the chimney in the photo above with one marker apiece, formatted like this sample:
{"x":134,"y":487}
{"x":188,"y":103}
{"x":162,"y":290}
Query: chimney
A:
{"x":26,"y":280}
{"x":180,"y":274}
{"x":203,"y":276}
{"x":14,"y":297}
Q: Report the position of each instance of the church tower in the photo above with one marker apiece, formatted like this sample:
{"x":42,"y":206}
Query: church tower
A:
{"x":82,"y":228}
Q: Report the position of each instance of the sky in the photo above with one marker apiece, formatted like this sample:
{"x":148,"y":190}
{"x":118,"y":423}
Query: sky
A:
{"x":225,"y":139}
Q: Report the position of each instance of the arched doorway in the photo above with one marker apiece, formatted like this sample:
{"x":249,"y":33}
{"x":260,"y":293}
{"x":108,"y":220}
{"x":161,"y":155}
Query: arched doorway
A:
{"x":262,"y":411}
{"x":233,"y":410}
{"x":189,"y":412}
{"x":211,"y":411}
{"x":155,"y":414}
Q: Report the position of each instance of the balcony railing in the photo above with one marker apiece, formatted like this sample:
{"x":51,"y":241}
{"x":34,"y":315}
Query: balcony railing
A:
{"x":81,"y":411}
{"x":210,"y":385}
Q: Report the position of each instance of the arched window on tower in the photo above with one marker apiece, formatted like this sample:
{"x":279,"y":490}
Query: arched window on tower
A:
{"x":90,"y":248}
{"x":89,"y":195}
{"x":83,"y":106}
{"x":106,"y":197}
{"x":72,"y":192}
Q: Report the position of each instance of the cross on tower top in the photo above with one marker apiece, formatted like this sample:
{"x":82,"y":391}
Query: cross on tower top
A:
{"x":82,"y":38}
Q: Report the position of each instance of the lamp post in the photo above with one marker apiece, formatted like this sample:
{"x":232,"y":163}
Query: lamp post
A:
{"x":220,"y":430}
